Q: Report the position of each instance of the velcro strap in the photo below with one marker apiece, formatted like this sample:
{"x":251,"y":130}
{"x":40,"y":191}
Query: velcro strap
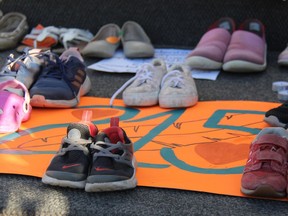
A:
{"x":274,"y":140}
{"x":268,"y":156}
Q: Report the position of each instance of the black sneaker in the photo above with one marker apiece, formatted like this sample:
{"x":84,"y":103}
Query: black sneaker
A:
{"x":70,"y":166}
{"x":277,"y":116}
{"x":62,"y":81}
{"x":114,"y":164}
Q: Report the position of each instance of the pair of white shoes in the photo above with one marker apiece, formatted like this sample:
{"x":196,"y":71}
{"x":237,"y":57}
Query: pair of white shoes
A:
{"x":153,"y":84}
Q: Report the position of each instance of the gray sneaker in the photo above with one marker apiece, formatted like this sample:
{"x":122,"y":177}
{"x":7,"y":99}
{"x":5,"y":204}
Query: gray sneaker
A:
{"x":144,"y":87}
{"x":136,"y":43}
{"x":178,"y":88}
{"x":25,"y":68}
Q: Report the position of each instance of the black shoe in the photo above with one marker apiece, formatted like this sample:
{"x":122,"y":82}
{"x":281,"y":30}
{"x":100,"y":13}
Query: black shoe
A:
{"x":277,"y":116}
{"x":70,"y":166}
{"x":114,"y":165}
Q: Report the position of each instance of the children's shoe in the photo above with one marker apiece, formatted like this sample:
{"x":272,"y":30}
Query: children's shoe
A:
{"x":135,"y":42}
{"x":24,"y":68}
{"x":62,"y":81}
{"x":277,"y":116}
{"x":13,"y":27}
{"x":105,"y":42}
{"x":209,"y":52}
{"x":178,"y":88}
{"x":14,"y":105}
{"x":70,"y":166}
{"x":114,"y":164}
{"x":247,"y":49}
{"x":265,"y":172}
{"x":283,"y":57}
{"x":143,"y":89}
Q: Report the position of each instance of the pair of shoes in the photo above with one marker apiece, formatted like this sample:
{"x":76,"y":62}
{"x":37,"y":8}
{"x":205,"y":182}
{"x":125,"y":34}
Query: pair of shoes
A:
{"x":13,"y":27}
{"x":283,"y":57}
{"x":15,"y":105}
{"x":278,"y":116}
{"x":47,"y":37}
{"x":152,"y":84}
{"x":135,"y":42}
{"x":62,"y":80}
{"x":265,"y":173}
{"x":95,"y":161}
{"x":241,"y":50}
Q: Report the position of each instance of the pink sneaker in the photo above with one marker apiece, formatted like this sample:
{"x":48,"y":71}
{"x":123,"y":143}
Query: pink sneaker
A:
{"x":283,"y":57}
{"x":265,"y":173}
{"x":14,"y":105}
{"x":210,"y":50}
{"x":247,"y":49}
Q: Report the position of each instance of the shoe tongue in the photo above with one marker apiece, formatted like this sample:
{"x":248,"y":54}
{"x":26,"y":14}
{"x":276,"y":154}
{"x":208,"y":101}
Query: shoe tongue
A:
{"x":76,"y":131}
{"x":114,"y":134}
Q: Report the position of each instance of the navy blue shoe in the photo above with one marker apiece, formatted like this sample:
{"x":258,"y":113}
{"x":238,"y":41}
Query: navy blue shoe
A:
{"x":62,"y":81}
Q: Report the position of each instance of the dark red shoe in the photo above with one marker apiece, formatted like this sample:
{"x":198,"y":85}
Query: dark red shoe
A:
{"x":265,"y":173}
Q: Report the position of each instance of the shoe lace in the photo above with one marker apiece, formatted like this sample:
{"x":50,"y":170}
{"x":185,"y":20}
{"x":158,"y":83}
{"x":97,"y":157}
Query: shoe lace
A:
{"x":56,"y":69}
{"x":176,"y":80}
{"x":107,"y":149}
{"x":72,"y":145}
{"x":143,"y":75}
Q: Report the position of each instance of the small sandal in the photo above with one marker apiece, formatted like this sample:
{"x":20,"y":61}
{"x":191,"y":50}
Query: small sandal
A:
{"x":15,"y":105}
{"x":41,"y":37}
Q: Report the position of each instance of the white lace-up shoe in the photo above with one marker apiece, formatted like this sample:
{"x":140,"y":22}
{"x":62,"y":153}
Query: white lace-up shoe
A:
{"x":178,"y":88}
{"x":144,"y":87}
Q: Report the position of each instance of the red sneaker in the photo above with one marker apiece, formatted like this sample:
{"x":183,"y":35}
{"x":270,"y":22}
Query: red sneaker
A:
{"x":265,"y":173}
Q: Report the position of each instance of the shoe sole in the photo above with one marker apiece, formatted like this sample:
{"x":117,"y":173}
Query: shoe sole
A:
{"x":141,"y":99}
{"x":41,"y":101}
{"x":173,"y":102}
{"x":263,"y":191}
{"x":63,"y":183}
{"x":283,"y":62}
{"x":274,"y":121}
{"x":203,"y":63}
{"x":114,"y":186}
{"x":243,"y":66}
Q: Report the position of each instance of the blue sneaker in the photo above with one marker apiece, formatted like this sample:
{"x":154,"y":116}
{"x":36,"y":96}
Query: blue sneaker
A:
{"x":62,"y":81}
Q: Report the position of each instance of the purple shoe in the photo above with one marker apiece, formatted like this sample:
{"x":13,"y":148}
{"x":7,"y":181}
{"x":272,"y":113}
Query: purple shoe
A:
{"x":265,"y":172}
{"x":283,"y":57}
{"x":247,"y":49}
{"x":209,"y":52}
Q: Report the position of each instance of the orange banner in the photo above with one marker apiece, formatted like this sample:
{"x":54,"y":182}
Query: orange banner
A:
{"x":201,"y":148}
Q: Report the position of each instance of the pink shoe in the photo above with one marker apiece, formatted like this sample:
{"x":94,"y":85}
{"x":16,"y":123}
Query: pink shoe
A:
{"x":265,"y":173}
{"x":247,"y":49}
{"x":210,"y":50}
{"x":14,"y":105}
{"x":283,"y":57}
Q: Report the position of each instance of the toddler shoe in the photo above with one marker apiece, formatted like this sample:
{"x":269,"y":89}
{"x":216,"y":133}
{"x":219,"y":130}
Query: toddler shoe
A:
{"x":247,"y":49}
{"x":13,"y":27}
{"x":178,"y":88}
{"x":265,"y":172}
{"x":277,"y":116}
{"x":209,"y":52}
{"x":283,"y":57}
{"x":62,"y":81}
{"x":113,"y":164}
{"x":70,"y":166}
{"x":14,"y":105}
{"x":135,"y":42}
{"x":105,"y":42}
{"x":24,"y":68}
{"x":144,"y":87}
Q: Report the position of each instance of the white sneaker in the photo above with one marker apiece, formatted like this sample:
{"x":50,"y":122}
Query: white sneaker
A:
{"x":145,"y":85}
{"x":178,"y":88}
